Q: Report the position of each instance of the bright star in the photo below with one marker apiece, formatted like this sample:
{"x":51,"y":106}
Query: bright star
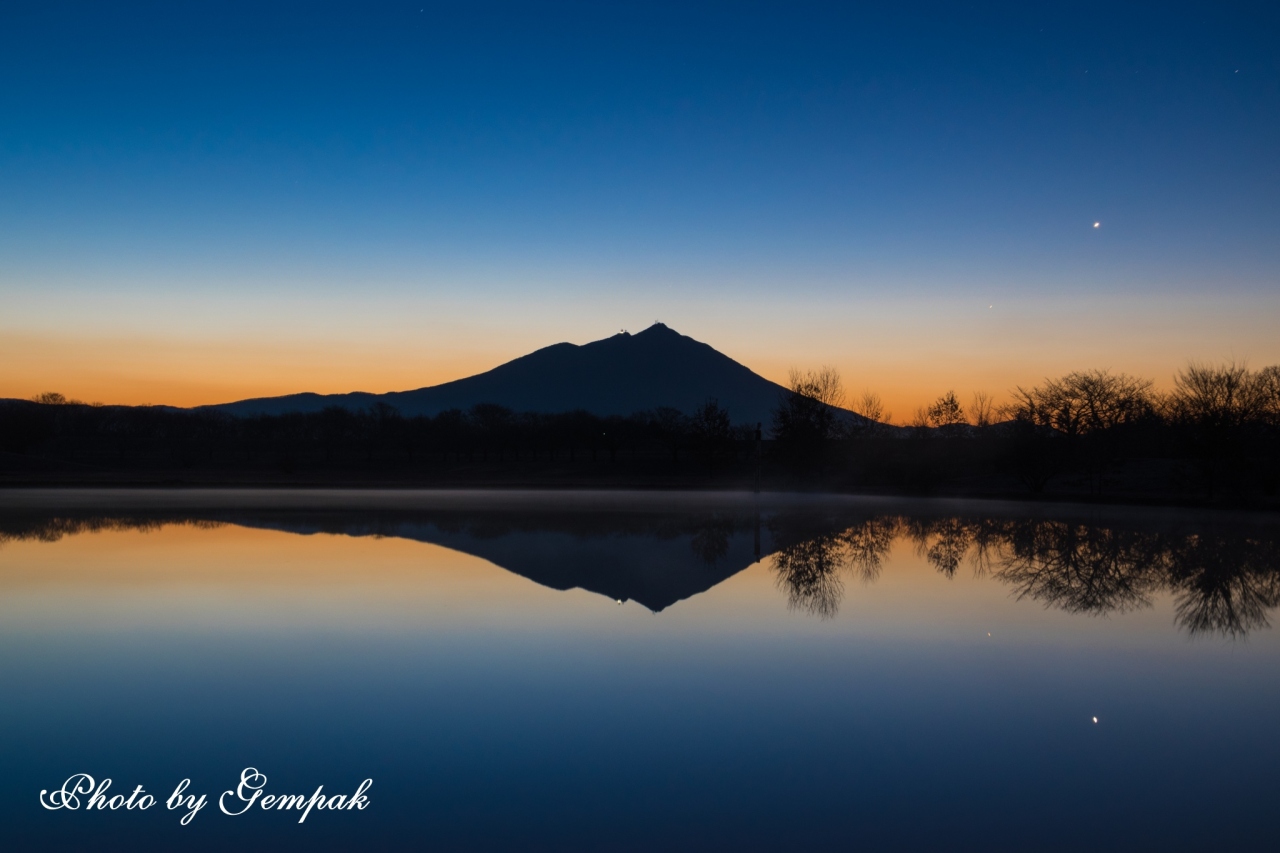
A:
{"x":1097,"y":225}
{"x":1095,"y":719}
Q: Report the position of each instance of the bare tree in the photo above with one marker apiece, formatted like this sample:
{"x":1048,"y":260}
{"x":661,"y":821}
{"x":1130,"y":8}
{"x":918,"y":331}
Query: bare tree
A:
{"x":981,"y":409}
{"x":823,"y":385}
{"x":1083,"y":402}
{"x":1222,"y":397}
{"x":808,"y":416}
{"x":945,"y":411}
{"x":1088,"y":409}
{"x":870,"y":407}
{"x":1221,"y":410}
{"x":1269,"y":389}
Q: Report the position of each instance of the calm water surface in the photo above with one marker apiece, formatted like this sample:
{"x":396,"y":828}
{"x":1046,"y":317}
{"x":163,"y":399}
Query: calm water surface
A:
{"x":648,"y":671}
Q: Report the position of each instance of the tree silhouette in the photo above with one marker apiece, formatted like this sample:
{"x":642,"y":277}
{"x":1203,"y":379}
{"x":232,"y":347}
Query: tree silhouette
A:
{"x":1091,"y":411}
{"x":712,"y":432}
{"x":945,"y":411}
{"x":1084,"y":402}
{"x":807,"y":417}
{"x":982,"y":409}
{"x":51,"y":398}
{"x":672,"y":427}
{"x":1220,"y":408}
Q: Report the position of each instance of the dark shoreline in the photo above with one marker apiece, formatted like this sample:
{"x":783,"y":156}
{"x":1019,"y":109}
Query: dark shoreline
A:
{"x":1159,"y":459}
{"x":14,"y":483}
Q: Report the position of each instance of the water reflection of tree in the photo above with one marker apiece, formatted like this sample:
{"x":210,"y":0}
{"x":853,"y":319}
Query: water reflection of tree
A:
{"x":947,"y":543}
{"x":867,"y":545}
{"x":810,"y":566}
{"x":810,"y":573}
{"x":943,"y":542}
{"x":52,"y":529}
{"x":1224,"y":583}
{"x":711,"y":542}
{"x":1081,"y":568}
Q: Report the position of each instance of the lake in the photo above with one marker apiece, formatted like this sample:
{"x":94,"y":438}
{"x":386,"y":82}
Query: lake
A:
{"x":638,"y":671}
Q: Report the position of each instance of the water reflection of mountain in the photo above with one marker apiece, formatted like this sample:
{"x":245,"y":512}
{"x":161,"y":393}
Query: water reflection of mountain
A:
{"x":1222,"y":572}
{"x":653,"y":560}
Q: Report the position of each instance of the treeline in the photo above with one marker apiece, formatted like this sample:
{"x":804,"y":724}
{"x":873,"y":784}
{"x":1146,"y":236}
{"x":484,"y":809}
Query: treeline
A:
{"x":1213,"y":438}
{"x":485,"y":440}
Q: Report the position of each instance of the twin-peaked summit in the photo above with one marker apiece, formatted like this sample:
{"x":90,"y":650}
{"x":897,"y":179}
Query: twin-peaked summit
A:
{"x":615,"y":376}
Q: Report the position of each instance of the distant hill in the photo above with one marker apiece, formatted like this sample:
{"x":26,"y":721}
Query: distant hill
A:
{"x":615,"y":376}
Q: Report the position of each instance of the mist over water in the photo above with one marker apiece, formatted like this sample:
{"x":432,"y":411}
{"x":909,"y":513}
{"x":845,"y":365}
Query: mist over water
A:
{"x":635,"y":670}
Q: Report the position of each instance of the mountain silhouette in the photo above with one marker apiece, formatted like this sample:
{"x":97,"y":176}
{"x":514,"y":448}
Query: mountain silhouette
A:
{"x":615,"y":376}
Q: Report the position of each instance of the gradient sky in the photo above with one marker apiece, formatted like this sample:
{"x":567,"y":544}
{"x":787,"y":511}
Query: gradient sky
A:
{"x":204,"y":202}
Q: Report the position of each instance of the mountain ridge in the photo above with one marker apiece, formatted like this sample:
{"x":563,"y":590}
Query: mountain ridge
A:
{"x":617,"y":375}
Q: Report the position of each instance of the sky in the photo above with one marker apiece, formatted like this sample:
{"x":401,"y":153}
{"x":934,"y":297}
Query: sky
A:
{"x":206,"y":202}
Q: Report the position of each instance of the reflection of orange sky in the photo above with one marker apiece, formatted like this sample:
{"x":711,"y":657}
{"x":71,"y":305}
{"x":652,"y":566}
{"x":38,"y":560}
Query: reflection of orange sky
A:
{"x":228,"y":578}
{"x":179,"y":554}
{"x":228,"y":575}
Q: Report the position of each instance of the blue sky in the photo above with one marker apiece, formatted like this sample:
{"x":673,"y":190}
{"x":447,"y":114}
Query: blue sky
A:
{"x":231,"y":199}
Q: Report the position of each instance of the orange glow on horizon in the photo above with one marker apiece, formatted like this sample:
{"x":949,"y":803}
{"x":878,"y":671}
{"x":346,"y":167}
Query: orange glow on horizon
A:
{"x":164,"y":372}
{"x":170,"y":373}
{"x":905,"y":373}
